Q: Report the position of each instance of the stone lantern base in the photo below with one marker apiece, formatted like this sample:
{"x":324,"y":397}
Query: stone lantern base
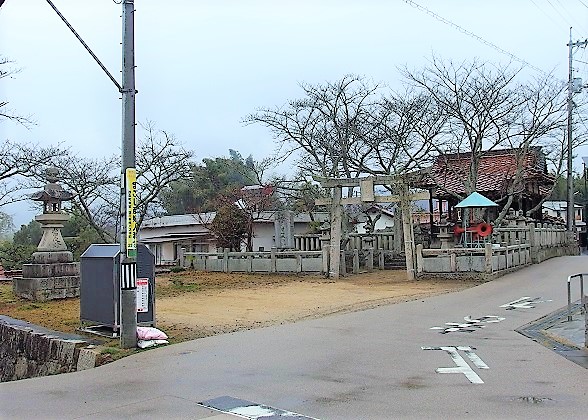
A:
{"x":52,"y":275}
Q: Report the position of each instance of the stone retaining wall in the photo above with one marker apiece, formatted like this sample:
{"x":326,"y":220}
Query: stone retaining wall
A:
{"x":27,"y":351}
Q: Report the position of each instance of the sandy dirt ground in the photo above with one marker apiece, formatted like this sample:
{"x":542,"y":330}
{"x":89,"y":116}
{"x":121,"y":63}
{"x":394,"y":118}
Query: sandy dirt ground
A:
{"x":195,"y":304}
{"x":232,"y":302}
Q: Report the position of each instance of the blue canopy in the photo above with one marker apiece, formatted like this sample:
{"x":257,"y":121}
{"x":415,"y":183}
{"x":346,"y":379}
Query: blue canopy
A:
{"x":476,"y":200}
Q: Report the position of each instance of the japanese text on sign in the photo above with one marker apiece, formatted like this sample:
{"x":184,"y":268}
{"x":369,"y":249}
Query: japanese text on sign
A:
{"x":142,"y":295}
{"x":131,"y":201}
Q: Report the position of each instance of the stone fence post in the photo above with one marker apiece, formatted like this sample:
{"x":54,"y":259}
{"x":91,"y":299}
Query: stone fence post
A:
{"x":273,"y":259}
{"x":488,"y":258}
{"x":534,"y":243}
{"x":181,"y":258}
{"x":355,"y":261}
{"x":326,"y":259}
{"x":226,"y":260}
{"x":420,"y":263}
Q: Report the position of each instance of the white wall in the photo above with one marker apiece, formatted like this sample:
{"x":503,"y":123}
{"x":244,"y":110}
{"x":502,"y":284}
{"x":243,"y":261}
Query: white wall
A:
{"x":384,"y":222}
{"x":263,"y":236}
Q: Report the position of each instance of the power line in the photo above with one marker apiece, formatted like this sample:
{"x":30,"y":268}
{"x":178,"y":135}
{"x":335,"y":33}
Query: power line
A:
{"x":546,"y":14}
{"x":571,"y":15}
{"x":473,"y":35}
{"x":558,"y":12}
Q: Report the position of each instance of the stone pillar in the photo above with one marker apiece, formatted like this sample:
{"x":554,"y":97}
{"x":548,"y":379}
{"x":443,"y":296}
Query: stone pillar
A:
{"x":335,"y":255}
{"x":420,"y":262}
{"x":488,"y":258}
{"x":284,"y":229}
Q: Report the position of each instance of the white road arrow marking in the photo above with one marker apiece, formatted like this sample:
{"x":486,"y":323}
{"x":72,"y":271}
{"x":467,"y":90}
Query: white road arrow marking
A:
{"x":462,"y":365}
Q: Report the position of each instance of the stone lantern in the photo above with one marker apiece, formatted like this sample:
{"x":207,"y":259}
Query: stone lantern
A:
{"x":445,"y":236}
{"x":53,"y":274}
{"x":53,"y":217}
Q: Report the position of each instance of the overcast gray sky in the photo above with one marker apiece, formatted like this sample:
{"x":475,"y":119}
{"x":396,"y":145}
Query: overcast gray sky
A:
{"x":203,"y":65}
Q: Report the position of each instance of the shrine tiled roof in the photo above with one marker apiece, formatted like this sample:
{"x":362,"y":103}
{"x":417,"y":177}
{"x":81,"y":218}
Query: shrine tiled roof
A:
{"x":496,"y":170}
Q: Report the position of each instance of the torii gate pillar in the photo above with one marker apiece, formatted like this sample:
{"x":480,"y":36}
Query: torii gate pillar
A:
{"x":367,"y":196}
{"x":335,"y":245}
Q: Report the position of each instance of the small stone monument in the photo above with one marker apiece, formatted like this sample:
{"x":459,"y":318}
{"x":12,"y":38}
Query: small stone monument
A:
{"x":53,"y":274}
{"x":284,"y":229}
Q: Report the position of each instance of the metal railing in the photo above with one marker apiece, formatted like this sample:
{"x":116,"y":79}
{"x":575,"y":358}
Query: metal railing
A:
{"x":582,"y":297}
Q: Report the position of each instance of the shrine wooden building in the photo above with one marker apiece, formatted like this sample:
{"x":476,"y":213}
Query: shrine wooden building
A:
{"x":497,"y":176}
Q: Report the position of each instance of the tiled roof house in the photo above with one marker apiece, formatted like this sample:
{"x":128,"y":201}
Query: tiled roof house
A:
{"x":496,"y":173}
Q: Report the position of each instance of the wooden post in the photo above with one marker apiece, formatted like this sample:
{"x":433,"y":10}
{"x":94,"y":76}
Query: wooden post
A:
{"x":335,"y":254}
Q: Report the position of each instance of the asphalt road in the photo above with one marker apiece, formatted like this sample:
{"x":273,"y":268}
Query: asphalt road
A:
{"x":362,"y":365}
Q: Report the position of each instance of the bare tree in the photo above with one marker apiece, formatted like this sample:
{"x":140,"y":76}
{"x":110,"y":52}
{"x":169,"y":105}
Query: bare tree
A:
{"x":95,"y":185}
{"x":161,"y":160}
{"x":324,"y":128}
{"x":8,"y":71}
{"x":19,"y":162}
{"x":96,"y":182}
{"x":487,"y":108}
{"x":540,"y":121}
{"x":406,"y":128}
{"x":477,"y":99}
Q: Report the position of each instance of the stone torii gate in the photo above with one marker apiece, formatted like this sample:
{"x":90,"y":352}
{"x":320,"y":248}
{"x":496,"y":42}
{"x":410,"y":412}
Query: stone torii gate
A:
{"x":367,"y":195}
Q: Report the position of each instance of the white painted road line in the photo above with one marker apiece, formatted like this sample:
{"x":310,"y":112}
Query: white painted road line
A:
{"x":525,"y":302}
{"x":462,"y":365}
{"x":470,"y":324}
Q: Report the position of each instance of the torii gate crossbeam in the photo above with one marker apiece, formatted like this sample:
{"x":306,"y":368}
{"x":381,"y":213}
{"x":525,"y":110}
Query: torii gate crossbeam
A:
{"x":367,"y":195}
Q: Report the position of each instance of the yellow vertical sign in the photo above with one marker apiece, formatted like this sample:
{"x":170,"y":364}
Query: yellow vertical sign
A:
{"x":131,"y":200}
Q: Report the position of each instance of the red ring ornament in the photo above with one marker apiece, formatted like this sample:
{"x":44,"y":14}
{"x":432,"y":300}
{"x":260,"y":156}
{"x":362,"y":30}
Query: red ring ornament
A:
{"x":484,"y":229}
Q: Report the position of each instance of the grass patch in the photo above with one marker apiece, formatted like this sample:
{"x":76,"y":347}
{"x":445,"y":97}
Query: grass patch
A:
{"x":30,"y":307}
{"x":176,"y":285}
{"x":6,"y":295}
{"x":110,"y":350}
{"x":183,"y":286}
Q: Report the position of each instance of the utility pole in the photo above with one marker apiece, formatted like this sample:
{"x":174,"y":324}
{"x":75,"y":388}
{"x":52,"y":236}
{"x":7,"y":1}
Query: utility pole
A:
{"x":571,"y":217}
{"x":128,"y":234}
{"x":128,"y":230}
